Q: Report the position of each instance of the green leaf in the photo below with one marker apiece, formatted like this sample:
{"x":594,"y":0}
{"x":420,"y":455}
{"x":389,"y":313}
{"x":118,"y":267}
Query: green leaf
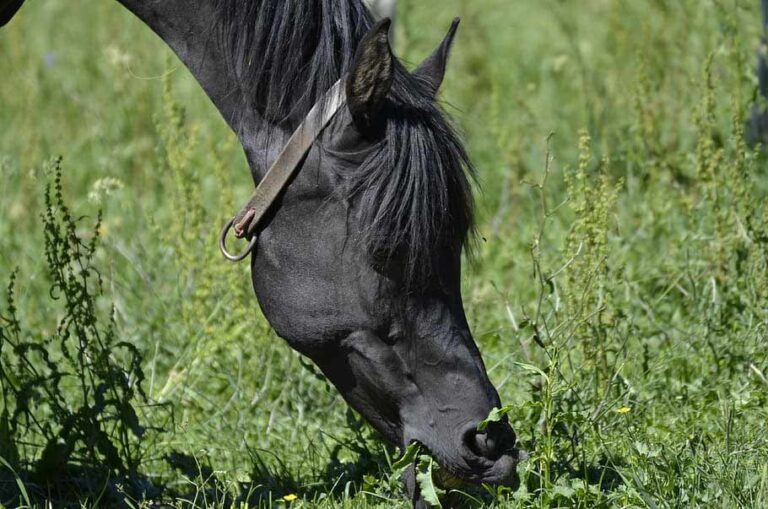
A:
{"x":532,"y":369}
{"x":8,"y":448}
{"x":494,"y":416}
{"x":563,"y":491}
{"x":19,"y":482}
{"x":429,"y":492}
{"x":129,"y":418}
{"x":407,"y":458}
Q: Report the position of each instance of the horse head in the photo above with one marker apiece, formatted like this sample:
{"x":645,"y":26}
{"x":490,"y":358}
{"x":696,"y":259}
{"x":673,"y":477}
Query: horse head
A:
{"x":359,"y":266}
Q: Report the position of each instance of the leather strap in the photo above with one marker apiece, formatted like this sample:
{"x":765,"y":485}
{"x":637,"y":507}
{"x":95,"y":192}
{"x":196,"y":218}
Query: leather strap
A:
{"x":246,"y":222}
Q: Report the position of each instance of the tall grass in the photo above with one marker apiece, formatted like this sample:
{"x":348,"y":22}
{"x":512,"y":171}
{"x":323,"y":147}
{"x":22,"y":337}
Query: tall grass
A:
{"x":73,"y":392}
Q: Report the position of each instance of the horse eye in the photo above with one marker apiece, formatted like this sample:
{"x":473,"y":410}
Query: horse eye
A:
{"x":388,"y":262}
{"x":394,"y":335}
{"x":349,"y":148}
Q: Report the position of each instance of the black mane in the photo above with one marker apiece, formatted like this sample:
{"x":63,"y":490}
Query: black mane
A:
{"x":287,"y":53}
{"x":414,"y":192}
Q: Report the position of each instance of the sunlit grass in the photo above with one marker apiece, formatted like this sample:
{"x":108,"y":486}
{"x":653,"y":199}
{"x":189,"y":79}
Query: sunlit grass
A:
{"x":619,"y":290}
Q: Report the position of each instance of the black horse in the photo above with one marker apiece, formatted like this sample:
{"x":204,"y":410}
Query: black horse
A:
{"x":358,"y":262}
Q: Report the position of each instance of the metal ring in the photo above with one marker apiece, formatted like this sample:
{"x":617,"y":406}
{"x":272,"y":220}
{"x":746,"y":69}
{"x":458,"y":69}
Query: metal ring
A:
{"x":223,"y":244}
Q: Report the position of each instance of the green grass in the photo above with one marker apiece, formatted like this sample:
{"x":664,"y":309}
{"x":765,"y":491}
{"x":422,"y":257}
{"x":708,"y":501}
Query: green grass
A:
{"x":619,"y":292}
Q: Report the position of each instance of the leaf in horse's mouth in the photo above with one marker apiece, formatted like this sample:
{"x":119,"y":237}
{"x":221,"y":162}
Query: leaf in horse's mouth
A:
{"x":416,"y":453}
{"x":425,"y":479}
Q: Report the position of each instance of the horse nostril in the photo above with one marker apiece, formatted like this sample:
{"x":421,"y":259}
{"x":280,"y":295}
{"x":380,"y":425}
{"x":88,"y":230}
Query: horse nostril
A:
{"x":486,"y":446}
{"x":492,"y":442}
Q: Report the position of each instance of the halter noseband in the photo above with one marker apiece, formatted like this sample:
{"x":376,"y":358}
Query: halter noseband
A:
{"x":279,"y":174}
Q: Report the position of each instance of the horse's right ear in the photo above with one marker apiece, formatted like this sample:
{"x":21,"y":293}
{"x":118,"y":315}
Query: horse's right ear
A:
{"x":371,"y":76}
{"x":432,"y":70}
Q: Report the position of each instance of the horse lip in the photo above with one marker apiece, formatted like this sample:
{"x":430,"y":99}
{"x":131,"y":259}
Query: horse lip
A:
{"x":502,"y":471}
{"x":477,"y":469}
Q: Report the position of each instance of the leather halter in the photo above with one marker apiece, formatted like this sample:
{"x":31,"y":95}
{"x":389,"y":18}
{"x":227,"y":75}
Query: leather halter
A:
{"x":279,"y":174}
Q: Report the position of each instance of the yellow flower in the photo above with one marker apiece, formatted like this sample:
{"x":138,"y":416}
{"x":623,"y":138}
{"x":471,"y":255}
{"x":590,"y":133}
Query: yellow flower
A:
{"x":290,"y":497}
{"x":624,"y":410}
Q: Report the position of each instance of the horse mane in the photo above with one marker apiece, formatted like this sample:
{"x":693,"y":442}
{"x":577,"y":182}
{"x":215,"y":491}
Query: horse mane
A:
{"x":414,"y":189}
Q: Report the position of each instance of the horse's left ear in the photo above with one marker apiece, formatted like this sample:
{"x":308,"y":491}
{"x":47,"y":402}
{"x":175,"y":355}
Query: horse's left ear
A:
{"x":371,"y":76}
{"x":432,"y":70}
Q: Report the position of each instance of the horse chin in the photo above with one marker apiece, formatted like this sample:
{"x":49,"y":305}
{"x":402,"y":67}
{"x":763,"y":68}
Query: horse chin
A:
{"x":502,"y":471}
{"x":499,"y":472}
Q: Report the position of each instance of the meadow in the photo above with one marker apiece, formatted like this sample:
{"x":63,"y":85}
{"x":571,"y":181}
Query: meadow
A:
{"x":618,"y":288}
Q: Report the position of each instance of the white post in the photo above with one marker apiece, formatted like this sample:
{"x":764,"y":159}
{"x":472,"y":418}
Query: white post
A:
{"x":383,"y":8}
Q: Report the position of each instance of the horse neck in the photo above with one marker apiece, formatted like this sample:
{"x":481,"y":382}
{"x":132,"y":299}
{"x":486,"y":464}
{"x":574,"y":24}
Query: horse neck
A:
{"x":188,"y":28}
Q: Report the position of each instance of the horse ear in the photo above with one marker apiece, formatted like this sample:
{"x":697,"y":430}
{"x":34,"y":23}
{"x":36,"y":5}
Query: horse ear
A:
{"x":432,"y":69}
{"x":371,"y":76}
